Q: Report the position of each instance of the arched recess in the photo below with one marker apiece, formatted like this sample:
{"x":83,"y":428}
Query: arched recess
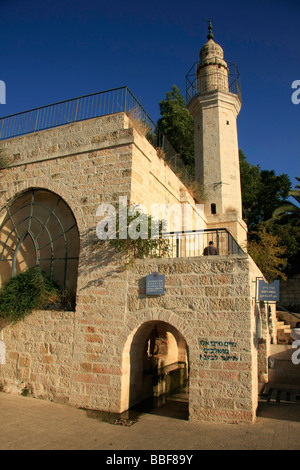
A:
{"x":38,"y":228}
{"x":155,"y":362}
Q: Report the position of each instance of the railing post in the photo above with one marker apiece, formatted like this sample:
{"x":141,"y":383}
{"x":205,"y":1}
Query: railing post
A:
{"x":36,"y":119}
{"x":228,"y":243}
{"x":177,"y":248}
{"x":75,"y":117}
{"x":125,"y":99}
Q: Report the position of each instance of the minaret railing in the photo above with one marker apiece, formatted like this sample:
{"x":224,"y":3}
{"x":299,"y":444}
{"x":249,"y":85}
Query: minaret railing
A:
{"x":234,"y":81}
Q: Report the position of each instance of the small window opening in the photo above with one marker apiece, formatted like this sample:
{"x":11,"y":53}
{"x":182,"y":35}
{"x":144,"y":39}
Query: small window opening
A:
{"x":213,"y":208}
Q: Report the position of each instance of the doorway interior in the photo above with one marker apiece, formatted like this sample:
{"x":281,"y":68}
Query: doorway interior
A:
{"x":159,"y":370}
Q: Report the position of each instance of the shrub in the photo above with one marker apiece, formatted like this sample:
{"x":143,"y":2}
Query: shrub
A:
{"x":141,"y":248}
{"x":25,"y":292}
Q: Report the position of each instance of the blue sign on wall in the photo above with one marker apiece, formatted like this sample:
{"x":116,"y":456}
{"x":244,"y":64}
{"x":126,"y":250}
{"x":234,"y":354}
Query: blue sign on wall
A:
{"x":268,"y":292}
{"x":155,"y":284}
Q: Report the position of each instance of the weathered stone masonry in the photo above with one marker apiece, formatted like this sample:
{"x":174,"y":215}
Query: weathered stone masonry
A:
{"x":85,"y":358}
{"x":82,"y":358}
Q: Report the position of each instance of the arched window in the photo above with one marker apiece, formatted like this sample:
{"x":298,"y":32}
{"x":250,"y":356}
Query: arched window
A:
{"x":39,"y":229}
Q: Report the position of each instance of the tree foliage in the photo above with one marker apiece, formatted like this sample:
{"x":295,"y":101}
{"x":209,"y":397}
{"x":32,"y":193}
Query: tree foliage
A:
{"x":290,"y":210}
{"x":250,"y":184}
{"x":177,"y":124}
{"x":268,"y":253}
{"x":263,"y":194}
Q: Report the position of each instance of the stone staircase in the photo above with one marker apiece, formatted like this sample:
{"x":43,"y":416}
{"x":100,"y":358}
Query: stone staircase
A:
{"x":282,"y":370}
{"x":283,"y":333}
{"x":283,"y":385}
{"x":285,"y":321}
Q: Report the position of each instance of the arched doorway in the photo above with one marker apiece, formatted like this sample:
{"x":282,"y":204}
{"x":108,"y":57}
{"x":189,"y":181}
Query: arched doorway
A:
{"x":158,"y":367}
{"x":38,"y":228}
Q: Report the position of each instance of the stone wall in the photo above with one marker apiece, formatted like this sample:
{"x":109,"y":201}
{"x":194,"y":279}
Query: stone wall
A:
{"x":208,"y":301}
{"x":39,"y":354}
{"x":85,"y":358}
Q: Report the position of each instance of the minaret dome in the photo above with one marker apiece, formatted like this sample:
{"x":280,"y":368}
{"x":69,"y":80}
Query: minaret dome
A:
{"x":212,"y":72}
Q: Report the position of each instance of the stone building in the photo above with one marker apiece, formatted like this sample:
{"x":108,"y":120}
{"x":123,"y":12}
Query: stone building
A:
{"x":116,"y":345}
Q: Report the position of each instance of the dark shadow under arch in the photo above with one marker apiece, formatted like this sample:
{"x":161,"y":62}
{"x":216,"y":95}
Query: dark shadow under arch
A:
{"x":159,"y":370}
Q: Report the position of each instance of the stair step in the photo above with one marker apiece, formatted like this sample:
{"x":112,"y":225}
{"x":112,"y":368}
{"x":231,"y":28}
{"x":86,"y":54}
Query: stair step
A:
{"x":279,"y":348}
{"x":284,"y":377}
{"x":283,"y":332}
{"x":282,"y":369}
{"x":278,"y":395}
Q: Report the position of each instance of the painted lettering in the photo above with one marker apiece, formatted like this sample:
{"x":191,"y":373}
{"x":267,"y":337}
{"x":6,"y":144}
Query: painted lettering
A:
{"x":214,"y":350}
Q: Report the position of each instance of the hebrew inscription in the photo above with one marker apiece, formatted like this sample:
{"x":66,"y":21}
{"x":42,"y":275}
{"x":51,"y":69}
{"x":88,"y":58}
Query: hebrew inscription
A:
{"x":218,"y":350}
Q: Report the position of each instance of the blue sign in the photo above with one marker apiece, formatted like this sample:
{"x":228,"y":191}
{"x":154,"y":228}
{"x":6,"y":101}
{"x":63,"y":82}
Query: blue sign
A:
{"x":155,"y":284}
{"x":268,"y":292}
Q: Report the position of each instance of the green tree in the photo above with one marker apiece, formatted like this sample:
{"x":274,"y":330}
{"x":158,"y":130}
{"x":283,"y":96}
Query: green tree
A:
{"x":177,"y":124}
{"x":274,"y":191}
{"x":289,"y":235}
{"x":268,"y":253}
{"x":262,"y":192}
{"x":290,"y":210}
{"x":250,"y":185}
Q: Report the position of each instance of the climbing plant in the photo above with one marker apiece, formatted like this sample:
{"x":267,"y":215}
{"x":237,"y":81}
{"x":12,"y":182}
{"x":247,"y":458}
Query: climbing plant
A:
{"x":140,"y":247}
{"x":133,"y":233}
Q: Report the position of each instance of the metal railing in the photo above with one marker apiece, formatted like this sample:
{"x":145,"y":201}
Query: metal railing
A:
{"x":294,"y":314}
{"x":193,"y":243}
{"x":63,"y":112}
{"x":91,"y":106}
{"x":234,"y":81}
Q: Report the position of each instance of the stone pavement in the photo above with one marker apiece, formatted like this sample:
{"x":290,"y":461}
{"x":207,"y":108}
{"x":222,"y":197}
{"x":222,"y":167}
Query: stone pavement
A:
{"x":32,"y":424}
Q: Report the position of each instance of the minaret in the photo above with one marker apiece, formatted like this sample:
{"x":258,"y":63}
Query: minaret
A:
{"x":215,"y":110}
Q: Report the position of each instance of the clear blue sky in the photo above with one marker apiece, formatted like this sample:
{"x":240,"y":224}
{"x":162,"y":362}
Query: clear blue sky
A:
{"x":60,"y":49}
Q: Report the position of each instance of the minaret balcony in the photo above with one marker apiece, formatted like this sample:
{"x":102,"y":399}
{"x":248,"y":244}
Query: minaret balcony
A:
{"x":196,"y":84}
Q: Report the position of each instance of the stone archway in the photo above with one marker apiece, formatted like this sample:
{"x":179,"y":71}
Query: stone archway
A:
{"x":155,"y":363}
{"x":38,"y":228}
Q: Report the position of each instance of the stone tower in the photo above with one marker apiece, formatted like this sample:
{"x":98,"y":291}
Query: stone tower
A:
{"x":215,"y":109}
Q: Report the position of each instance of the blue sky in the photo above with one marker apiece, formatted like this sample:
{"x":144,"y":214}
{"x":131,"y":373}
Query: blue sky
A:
{"x":56,"y":50}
